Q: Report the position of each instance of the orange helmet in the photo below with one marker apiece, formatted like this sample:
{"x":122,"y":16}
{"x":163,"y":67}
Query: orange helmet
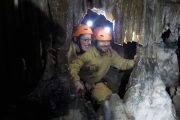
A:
{"x":74,"y":34}
{"x":101,"y":34}
{"x":82,"y":29}
{"x":96,"y":30}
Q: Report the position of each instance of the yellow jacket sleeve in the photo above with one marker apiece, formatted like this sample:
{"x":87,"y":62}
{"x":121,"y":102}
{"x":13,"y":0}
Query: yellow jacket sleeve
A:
{"x":71,"y":54}
{"x":120,"y":62}
{"x":76,"y":65}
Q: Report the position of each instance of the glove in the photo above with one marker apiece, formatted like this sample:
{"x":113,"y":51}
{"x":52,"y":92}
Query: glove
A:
{"x":78,"y":85}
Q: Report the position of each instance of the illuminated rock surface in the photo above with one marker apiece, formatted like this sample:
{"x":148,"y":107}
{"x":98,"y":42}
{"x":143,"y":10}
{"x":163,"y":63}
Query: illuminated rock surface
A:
{"x":146,"y":97}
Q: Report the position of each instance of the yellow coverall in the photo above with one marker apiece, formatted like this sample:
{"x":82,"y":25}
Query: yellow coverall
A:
{"x":71,"y":54}
{"x":92,"y":66}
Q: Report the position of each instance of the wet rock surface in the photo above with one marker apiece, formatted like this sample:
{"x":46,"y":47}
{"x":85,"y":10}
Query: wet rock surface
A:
{"x":168,"y":64}
{"x":118,"y":108}
{"x":176,"y":100}
{"x":146,"y":97}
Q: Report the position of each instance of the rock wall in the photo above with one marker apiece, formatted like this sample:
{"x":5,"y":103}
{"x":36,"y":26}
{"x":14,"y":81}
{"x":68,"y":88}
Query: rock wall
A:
{"x":39,"y":25}
{"x":146,"y":97}
{"x":168,"y":65}
{"x":135,"y":20}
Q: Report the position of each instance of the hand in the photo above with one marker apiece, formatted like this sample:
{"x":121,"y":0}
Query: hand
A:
{"x":78,"y":85}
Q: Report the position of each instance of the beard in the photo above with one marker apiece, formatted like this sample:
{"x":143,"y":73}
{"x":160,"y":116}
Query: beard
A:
{"x":104,"y":49}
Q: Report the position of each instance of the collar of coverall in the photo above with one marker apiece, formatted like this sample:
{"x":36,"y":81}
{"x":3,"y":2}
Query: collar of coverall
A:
{"x":98,"y":53}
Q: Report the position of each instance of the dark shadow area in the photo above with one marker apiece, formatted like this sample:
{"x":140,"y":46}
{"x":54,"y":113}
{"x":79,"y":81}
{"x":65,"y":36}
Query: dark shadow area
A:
{"x":25,"y":35}
{"x":129,"y":50}
{"x":124,"y":81}
{"x":166,"y":35}
{"x":98,"y":20}
{"x":178,"y":56}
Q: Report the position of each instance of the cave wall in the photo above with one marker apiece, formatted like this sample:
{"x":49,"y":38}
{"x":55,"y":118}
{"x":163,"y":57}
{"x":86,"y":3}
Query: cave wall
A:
{"x":138,"y":20}
{"x":31,"y":27}
{"x":49,"y":24}
{"x":66,"y":13}
{"x":143,"y":20}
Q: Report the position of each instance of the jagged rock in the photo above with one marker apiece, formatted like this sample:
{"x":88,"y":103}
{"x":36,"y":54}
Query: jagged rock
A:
{"x":172,"y":91}
{"x":178,"y":91}
{"x":117,"y":107}
{"x":176,"y":100}
{"x":146,"y":97}
{"x":168,"y":65}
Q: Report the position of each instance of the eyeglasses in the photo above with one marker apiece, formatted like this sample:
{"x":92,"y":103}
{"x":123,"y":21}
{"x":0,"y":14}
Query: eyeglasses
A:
{"x":86,"y":40}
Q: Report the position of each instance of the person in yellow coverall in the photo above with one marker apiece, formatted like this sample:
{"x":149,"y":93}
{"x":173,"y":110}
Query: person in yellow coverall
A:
{"x":81,"y":40}
{"x":82,"y":37}
{"x":93,"y":65}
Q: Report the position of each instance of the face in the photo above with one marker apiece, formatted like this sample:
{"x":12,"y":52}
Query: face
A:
{"x":85,"y":41}
{"x":103,"y":45}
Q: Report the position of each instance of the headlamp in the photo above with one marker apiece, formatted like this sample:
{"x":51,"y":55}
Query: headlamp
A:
{"x":107,"y":29}
{"x":89,"y":23}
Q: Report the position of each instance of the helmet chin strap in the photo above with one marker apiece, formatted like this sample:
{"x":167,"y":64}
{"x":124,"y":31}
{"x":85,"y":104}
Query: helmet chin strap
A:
{"x":96,"y":42}
{"x":81,"y":50}
{"x":79,"y":45}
